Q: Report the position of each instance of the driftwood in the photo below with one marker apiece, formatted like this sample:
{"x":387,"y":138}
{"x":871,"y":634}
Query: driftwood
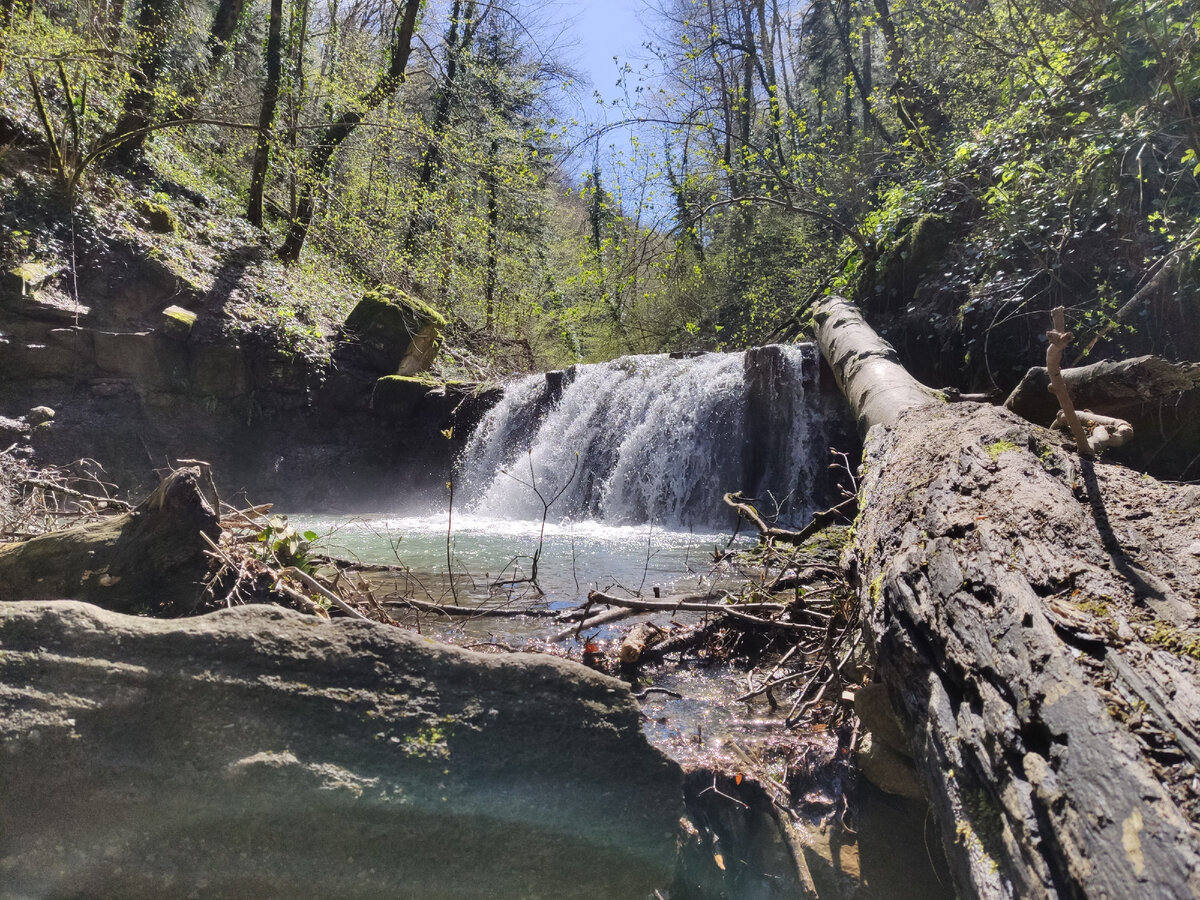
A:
{"x":151,"y":559}
{"x":820,"y":520}
{"x":1159,"y":399}
{"x":640,"y":636}
{"x":681,"y":602}
{"x":1023,"y":604}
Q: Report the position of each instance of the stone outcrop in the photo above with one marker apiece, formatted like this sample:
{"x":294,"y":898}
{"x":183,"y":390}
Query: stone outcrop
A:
{"x":390,"y":333}
{"x":144,"y":350}
{"x":258,"y":752}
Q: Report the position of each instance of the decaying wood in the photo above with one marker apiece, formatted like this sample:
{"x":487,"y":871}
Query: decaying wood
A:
{"x":682,"y":639}
{"x":640,"y":636}
{"x":1159,"y":399}
{"x":1102,"y":431}
{"x":1009,"y":589}
{"x":681,"y":602}
{"x":603,"y":618}
{"x":1057,"y":340}
{"x":152,"y":559}
{"x":820,"y":520}
{"x":466,"y":612}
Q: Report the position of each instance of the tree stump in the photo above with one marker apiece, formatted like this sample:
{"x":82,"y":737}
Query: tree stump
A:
{"x":150,"y":560}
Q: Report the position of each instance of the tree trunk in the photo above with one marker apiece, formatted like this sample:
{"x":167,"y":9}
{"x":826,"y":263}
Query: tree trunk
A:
{"x":266,"y":116}
{"x":137,"y":107}
{"x":332,"y":136}
{"x":149,"y":560}
{"x":1032,"y":615}
{"x":1160,"y":399}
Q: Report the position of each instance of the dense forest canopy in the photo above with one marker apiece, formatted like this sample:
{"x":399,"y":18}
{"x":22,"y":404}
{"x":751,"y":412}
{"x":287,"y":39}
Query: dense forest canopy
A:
{"x":957,"y":167}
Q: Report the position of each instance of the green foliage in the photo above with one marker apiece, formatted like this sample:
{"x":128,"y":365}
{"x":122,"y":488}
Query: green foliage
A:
{"x":959,"y":167}
{"x":282,"y":545}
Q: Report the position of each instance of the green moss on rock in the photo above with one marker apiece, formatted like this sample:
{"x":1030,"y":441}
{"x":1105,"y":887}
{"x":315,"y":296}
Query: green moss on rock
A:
{"x":389,"y":331}
{"x":158,"y":216}
{"x":177,"y":321}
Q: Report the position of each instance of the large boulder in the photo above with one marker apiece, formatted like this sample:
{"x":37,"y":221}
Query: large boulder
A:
{"x":391,"y":333}
{"x":259,"y":753}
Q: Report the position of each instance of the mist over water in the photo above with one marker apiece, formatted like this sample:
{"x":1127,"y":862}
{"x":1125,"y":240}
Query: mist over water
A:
{"x":651,"y":439}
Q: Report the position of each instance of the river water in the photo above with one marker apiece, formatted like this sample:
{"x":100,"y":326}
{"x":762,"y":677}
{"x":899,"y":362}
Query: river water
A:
{"x":612,"y":477}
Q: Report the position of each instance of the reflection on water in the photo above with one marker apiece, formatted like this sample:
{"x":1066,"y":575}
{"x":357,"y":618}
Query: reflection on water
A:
{"x":895,"y":853}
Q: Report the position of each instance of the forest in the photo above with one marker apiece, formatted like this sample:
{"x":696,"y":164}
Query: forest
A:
{"x":956,"y":168}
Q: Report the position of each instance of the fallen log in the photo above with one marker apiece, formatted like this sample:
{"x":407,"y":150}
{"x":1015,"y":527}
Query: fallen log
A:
{"x":681,"y":602}
{"x":640,"y":636}
{"x":151,"y":559}
{"x":977,"y":531}
{"x":1158,"y":398}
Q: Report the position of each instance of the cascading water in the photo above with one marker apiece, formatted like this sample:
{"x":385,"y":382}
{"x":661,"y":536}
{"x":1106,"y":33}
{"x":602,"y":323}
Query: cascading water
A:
{"x":653,"y":439}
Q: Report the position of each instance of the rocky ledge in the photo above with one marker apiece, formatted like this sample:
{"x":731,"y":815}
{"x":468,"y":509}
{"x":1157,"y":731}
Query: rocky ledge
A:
{"x":258,"y":752}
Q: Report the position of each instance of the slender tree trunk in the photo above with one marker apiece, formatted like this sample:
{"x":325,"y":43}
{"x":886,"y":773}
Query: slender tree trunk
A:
{"x":266,"y":116}
{"x":220,"y":34}
{"x":493,"y":238}
{"x":316,"y":167}
{"x":297,"y":42}
{"x":461,"y":33}
{"x":916,"y":107}
{"x":137,"y":107}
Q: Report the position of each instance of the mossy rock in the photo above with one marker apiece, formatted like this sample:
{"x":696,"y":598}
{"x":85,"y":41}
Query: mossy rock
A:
{"x":177,"y":322}
{"x":158,"y":216}
{"x":388,"y":328}
{"x":26,"y":279}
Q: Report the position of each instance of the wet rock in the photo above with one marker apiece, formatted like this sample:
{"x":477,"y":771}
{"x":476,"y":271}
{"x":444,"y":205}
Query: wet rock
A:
{"x":883,"y":754}
{"x":258,"y":752}
{"x":39,"y":415}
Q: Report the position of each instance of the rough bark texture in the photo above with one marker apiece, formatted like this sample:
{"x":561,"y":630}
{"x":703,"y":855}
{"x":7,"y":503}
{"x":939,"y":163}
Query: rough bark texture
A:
{"x":1160,"y":399}
{"x":1014,"y":593}
{"x":150,"y":560}
{"x":1033,"y":616}
{"x":259,"y":753}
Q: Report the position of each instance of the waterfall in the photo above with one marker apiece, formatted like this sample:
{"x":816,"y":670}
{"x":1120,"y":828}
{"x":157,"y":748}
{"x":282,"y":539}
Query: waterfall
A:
{"x":653,"y":439}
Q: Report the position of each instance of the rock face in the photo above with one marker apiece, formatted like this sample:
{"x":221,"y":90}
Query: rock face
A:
{"x":271,"y":424}
{"x":259,"y":753}
{"x":391,"y":333}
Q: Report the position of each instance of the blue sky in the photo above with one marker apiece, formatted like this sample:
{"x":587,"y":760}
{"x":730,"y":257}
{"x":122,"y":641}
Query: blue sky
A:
{"x":604,"y":29}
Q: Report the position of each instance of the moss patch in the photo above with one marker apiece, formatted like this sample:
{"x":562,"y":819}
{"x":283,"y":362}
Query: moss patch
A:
{"x":1001,"y":447}
{"x":158,"y":216}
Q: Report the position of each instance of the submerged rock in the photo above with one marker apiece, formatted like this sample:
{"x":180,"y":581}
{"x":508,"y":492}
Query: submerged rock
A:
{"x":257,"y":752}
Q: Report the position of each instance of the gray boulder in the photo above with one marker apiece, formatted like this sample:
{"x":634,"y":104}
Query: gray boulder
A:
{"x":259,"y":753}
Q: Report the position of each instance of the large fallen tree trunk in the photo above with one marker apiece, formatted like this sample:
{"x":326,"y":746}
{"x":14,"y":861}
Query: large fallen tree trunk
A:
{"x":151,"y":559}
{"x":1159,"y":398}
{"x":1031,"y":614}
